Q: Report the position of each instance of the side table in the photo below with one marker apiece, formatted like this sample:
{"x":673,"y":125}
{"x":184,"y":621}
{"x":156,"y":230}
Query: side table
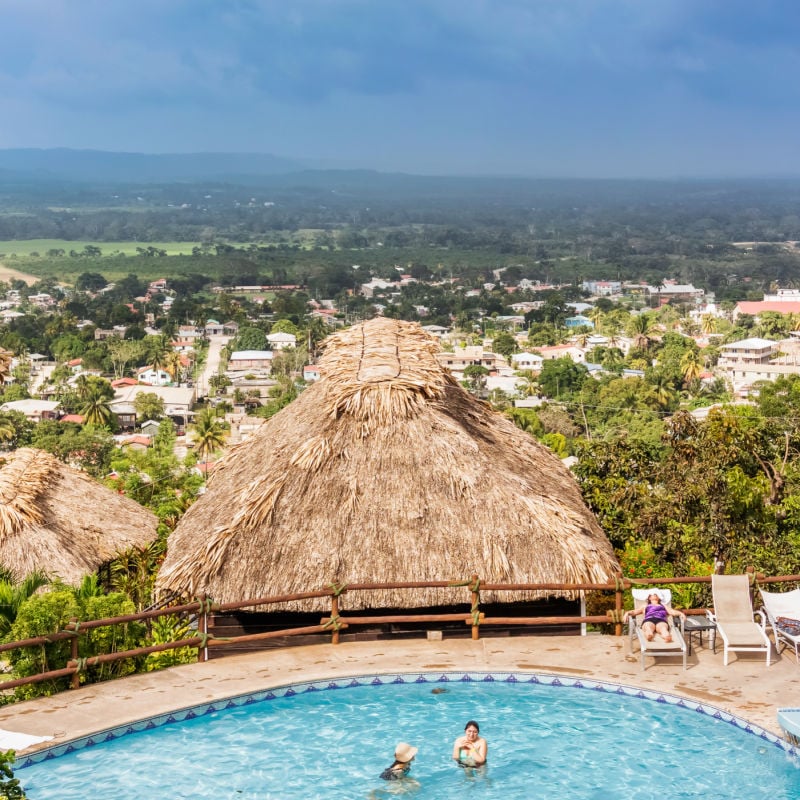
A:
{"x":697,"y":624}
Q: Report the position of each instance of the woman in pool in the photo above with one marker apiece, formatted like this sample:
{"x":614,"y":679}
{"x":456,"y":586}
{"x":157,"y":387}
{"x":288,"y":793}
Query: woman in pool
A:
{"x":469,"y":750}
{"x":656,"y":617}
{"x":403,"y":756}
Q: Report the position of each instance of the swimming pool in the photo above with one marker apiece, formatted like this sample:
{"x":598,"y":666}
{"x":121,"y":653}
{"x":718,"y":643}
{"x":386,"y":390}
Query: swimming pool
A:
{"x":548,"y":736}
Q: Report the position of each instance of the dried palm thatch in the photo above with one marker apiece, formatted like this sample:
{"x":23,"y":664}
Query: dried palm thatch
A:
{"x":58,"y":520}
{"x":385,"y":470}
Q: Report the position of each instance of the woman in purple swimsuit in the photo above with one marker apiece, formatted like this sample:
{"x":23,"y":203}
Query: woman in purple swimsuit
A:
{"x":656,"y":616}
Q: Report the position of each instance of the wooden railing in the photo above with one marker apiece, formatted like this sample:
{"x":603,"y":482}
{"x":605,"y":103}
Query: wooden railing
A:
{"x":337,"y":621}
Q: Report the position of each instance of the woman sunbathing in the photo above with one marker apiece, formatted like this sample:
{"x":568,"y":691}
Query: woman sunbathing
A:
{"x":656,"y":617}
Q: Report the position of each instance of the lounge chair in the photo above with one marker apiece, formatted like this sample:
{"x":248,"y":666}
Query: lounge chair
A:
{"x":655,"y":647}
{"x":782,"y":610}
{"x":734,"y":617}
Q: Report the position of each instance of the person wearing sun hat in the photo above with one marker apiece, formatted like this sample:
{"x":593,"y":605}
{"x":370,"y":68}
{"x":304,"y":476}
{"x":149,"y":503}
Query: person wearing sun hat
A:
{"x":403,"y":756}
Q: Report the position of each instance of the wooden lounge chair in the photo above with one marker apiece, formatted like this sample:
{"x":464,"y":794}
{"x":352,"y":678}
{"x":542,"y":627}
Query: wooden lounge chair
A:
{"x":734,"y":617}
{"x":655,"y":647}
{"x":782,"y":610}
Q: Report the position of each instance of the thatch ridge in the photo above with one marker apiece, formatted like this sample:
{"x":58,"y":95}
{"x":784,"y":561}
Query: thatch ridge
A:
{"x":384,"y":470}
{"x":58,"y":520}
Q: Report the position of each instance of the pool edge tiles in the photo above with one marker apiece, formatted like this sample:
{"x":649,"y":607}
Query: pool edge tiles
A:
{"x":382,"y":679}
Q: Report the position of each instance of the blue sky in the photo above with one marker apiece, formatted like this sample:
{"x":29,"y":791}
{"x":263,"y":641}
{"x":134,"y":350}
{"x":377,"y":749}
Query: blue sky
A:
{"x":589,"y":88}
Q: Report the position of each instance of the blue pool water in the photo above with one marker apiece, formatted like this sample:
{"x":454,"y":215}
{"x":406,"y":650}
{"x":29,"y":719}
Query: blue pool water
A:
{"x":548,"y":738}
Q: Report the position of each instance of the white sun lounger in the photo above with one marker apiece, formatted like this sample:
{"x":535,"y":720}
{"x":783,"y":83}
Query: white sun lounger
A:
{"x":734,"y":617}
{"x":783,"y":605}
{"x":656,"y":647}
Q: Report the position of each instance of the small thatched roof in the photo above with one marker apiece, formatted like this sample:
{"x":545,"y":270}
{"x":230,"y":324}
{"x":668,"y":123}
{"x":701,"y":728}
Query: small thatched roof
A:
{"x":59,"y":520}
{"x":385,"y":470}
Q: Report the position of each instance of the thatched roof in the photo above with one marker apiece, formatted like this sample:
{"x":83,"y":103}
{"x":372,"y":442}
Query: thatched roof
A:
{"x":57,"y":519}
{"x":385,"y":470}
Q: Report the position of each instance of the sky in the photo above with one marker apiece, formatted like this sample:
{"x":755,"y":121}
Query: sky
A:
{"x":543,"y":88}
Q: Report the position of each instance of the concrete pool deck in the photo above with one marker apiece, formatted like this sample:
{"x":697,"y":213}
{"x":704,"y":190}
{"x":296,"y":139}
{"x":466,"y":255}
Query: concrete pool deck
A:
{"x":746,"y":687}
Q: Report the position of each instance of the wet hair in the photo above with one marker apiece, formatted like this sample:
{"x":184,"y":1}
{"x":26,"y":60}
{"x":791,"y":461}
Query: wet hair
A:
{"x":473,"y":724}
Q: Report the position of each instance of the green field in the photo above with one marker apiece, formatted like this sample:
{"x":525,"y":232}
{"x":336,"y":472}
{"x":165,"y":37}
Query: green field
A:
{"x":27,"y":247}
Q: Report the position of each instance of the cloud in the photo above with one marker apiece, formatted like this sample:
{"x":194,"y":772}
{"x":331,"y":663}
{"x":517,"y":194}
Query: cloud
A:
{"x":450,"y":75}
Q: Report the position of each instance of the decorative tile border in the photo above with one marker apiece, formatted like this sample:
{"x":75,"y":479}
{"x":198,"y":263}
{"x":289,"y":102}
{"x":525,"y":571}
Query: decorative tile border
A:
{"x":381,"y":679}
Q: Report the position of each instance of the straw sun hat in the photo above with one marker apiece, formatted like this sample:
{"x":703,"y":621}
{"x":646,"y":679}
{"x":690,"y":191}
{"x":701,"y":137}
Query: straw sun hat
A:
{"x":404,"y":752}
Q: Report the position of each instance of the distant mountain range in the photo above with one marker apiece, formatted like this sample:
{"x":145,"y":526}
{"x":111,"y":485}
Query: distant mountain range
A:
{"x":104,"y":166}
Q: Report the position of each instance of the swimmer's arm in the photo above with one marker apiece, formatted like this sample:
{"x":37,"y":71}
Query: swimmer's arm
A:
{"x":457,"y":747}
{"x":479,"y":752}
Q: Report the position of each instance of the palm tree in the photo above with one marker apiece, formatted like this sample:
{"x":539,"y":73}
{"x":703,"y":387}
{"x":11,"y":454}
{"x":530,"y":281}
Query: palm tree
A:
{"x":317,"y":330}
{"x":596,"y":316}
{"x":7,"y":429}
{"x":528,"y":383}
{"x":640,"y":328}
{"x":708,"y":323}
{"x":691,"y":366}
{"x":174,"y":365}
{"x":209,"y":434}
{"x":662,"y":390}
{"x":13,"y":595}
{"x":5,"y":365}
{"x":158,"y":351}
{"x":96,"y":410}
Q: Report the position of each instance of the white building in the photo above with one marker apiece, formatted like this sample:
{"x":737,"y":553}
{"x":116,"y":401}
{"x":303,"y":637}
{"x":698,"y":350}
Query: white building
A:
{"x":527,"y":361}
{"x":281,"y":341}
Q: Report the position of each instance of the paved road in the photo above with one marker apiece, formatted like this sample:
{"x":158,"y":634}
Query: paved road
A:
{"x":215,"y":345}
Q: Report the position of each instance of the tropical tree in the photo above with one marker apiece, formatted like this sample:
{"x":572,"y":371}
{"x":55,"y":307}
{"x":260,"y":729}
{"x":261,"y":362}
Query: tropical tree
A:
{"x":148,"y":405}
{"x":640,"y":327}
{"x":528,"y":383}
{"x":5,"y":365}
{"x":7,"y":429}
{"x":708,"y":323}
{"x":691,"y":366}
{"x":209,"y":433}
{"x":96,"y":409}
{"x":158,"y":350}
{"x":475,"y":375}
{"x":174,"y":365}
{"x":14,"y":593}
{"x":504,"y":344}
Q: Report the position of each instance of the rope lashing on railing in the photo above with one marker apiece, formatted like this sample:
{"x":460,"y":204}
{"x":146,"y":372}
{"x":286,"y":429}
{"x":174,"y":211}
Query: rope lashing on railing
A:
{"x":459,"y":583}
{"x":475,"y":586}
{"x":82,"y":663}
{"x":205,"y":605}
{"x":476,"y":614}
{"x":332,"y":624}
{"x":615,"y":616}
{"x":337,"y":589}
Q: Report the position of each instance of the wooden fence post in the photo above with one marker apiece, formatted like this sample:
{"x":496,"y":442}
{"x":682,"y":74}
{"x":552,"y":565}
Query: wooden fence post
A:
{"x":335,"y":618}
{"x":620,"y":586}
{"x":75,"y":680}
{"x":476,"y":607}
{"x":202,"y":628}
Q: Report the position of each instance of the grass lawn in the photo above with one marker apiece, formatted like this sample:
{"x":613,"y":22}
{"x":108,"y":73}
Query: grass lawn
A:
{"x":26,"y":247}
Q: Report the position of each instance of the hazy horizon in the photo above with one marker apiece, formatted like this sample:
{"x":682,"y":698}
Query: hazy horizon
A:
{"x":515,"y":88}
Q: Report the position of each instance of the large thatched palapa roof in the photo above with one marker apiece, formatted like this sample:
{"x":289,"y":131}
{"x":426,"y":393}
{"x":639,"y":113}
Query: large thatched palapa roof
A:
{"x":59,"y":520}
{"x":384,"y":470}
